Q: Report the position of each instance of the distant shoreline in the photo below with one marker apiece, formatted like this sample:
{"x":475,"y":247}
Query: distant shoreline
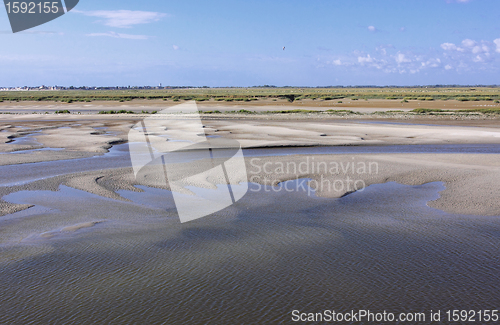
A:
{"x":257,"y":94}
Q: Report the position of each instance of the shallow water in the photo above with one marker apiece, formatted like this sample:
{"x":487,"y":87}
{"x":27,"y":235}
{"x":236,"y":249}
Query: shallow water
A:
{"x":423,"y":148}
{"x":118,"y":156}
{"x":20,"y":152}
{"x":252,"y":263}
{"x":11,"y":175}
{"x":28,"y":140}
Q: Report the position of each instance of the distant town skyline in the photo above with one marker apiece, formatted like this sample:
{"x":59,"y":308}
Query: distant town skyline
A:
{"x":243,"y":44}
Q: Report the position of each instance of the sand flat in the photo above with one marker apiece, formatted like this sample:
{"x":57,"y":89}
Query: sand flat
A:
{"x":471,"y":179}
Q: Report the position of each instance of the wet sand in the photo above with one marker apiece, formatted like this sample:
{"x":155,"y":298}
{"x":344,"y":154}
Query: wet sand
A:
{"x":85,"y":241}
{"x":262,"y":105}
{"x":252,"y":263}
{"x":472,"y":180}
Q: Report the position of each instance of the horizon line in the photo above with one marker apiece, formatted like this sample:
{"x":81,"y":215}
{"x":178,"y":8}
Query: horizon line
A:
{"x":43,"y":87}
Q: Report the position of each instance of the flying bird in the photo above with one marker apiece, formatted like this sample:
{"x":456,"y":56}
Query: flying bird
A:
{"x":283,"y":48}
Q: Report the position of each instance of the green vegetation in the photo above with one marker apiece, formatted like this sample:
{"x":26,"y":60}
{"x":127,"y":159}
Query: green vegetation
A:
{"x":388,"y":112}
{"x":433,"y":111}
{"x":290,"y":97}
{"x":63,"y":112}
{"x":341,"y":111}
{"x":117,"y":112}
{"x":257,"y":93}
{"x":427,"y":110}
{"x":293,"y":111}
{"x":241,"y":111}
{"x":482,"y":110}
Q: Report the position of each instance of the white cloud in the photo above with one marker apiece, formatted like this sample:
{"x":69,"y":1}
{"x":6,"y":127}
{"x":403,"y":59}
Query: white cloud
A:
{"x":497,"y":43}
{"x":119,"y":35}
{"x":470,"y":55}
{"x":449,"y":47}
{"x":124,"y":18}
{"x":431,"y":63}
{"x":372,"y":28}
{"x":401,"y":58}
{"x":478,"y":58}
{"x":468,"y":43}
{"x":367,"y":59}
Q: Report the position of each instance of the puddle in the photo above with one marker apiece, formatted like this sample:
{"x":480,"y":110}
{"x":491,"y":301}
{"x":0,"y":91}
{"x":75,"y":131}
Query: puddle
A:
{"x":26,"y":140}
{"x":425,"y":148}
{"x":30,"y":151}
{"x":12,"y":175}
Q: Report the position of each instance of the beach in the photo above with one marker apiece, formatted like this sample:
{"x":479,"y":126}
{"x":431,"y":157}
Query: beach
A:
{"x":355,"y":211}
{"x":471,"y":179}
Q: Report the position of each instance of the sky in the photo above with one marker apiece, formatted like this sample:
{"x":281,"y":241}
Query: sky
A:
{"x":240,"y":43}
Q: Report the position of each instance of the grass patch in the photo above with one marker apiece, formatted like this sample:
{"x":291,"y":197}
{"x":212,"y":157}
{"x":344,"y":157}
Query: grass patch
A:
{"x":481,"y":110}
{"x":242,"y":111}
{"x":427,"y":110}
{"x":387,"y":112}
{"x":330,"y":97}
{"x":293,"y":111}
{"x":426,"y":93}
{"x":117,"y":112}
{"x":341,"y":111}
{"x":467,"y":111}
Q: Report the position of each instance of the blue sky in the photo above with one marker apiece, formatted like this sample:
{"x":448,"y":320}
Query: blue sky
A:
{"x":239,"y":43}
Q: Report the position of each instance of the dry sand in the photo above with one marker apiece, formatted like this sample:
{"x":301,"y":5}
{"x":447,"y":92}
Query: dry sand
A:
{"x":472,"y":180}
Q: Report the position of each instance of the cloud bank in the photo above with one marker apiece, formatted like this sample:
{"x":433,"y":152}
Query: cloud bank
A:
{"x":466,"y":56}
{"x":119,"y":35}
{"x":124,"y":18}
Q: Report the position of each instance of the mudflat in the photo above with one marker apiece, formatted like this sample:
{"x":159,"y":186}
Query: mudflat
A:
{"x":471,"y":179}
